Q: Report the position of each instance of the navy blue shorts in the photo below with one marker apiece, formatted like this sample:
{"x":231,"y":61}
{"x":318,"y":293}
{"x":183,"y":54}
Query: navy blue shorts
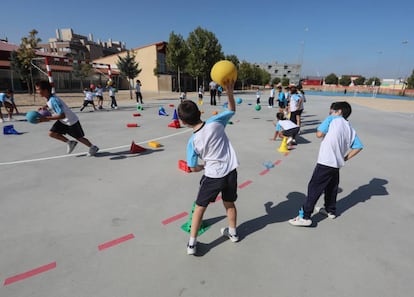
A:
{"x":211,"y":187}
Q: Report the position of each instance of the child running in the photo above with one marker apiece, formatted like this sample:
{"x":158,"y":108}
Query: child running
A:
{"x":340,"y":143}
{"x":67,"y":122}
{"x":88,"y":99}
{"x":7,"y":100}
{"x":112,"y":91}
{"x":99,"y":95}
{"x":210,"y":143}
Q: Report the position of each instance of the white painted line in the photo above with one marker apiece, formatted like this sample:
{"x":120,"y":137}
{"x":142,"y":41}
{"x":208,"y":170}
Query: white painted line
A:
{"x":101,"y":150}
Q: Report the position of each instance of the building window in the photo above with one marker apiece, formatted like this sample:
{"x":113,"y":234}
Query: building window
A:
{"x":284,"y":75}
{"x":269,"y":66}
{"x":276,"y":71}
{"x":288,"y":71}
{"x":285,"y":67}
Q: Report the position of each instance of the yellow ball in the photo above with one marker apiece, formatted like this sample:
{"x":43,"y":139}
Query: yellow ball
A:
{"x":110,"y":82}
{"x":223,"y":71}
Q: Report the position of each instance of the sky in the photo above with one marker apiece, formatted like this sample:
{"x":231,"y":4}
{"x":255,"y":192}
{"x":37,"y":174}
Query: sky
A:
{"x":368,"y":37}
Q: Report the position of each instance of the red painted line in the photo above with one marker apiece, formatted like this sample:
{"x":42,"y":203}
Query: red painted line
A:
{"x":245,"y":184}
{"x":175,"y":218}
{"x":30,"y":273}
{"x":286,"y":154}
{"x":277,"y":162}
{"x":111,"y":243}
{"x":264,"y":172}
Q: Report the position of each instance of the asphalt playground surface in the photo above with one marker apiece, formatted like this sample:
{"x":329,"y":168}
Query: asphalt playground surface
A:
{"x":109,"y":225}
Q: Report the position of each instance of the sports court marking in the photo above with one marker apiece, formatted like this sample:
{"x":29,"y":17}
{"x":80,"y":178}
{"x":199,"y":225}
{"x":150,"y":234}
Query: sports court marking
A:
{"x":175,"y":218}
{"x":101,"y":150}
{"x":30,"y":273}
{"x":114,"y":242}
{"x":277,"y":162}
{"x":245,"y":184}
{"x":264,"y":172}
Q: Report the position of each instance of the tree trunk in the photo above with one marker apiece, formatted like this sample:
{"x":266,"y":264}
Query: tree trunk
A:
{"x":130,"y":89}
{"x":179,"y":80}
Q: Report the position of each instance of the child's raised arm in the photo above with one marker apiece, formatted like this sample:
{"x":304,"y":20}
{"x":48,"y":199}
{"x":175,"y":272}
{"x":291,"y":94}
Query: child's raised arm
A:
{"x":229,"y":89}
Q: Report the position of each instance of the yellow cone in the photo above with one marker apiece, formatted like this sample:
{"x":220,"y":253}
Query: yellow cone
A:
{"x":283,"y":148}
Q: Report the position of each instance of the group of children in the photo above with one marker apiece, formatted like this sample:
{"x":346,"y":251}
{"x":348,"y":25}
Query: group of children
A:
{"x":210,"y":143}
{"x":97,"y":91}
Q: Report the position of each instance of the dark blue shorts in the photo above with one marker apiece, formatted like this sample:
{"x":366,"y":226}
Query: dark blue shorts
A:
{"x":211,"y":187}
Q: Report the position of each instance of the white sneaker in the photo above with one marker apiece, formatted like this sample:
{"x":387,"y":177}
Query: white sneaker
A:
{"x":71,"y":146}
{"x":298,"y":221}
{"x":93,"y":150}
{"x":323,"y":211}
{"x":225,"y":232}
{"x":1,"y":120}
{"x":191,"y":249}
{"x":289,"y":140}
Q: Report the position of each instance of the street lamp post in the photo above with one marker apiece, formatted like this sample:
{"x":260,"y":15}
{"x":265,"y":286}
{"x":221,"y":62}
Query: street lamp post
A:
{"x":399,"y":76}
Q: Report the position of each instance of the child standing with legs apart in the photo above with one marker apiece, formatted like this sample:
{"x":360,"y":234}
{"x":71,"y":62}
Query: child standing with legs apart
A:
{"x":340,"y":143}
{"x":67,"y":122}
{"x":210,"y":143}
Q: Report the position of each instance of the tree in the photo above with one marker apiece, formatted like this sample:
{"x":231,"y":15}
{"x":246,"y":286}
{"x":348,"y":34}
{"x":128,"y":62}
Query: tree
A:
{"x":410,"y":81}
{"x":204,"y":52}
{"x":359,"y":81}
{"x":373,"y":81}
{"x":177,"y":54}
{"x":81,"y":70}
{"x":233,"y":59}
{"x":331,"y":79}
{"x":285,"y":81}
{"x":345,"y":80}
{"x":21,"y":60}
{"x":128,"y":68}
{"x":276,"y":80}
{"x":245,"y":72}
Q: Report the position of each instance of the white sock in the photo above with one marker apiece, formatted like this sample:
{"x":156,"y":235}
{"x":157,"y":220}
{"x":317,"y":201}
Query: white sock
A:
{"x":232,"y":231}
{"x":192,"y":241}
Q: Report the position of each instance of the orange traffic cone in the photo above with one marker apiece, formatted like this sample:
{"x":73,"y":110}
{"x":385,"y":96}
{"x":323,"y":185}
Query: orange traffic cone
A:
{"x":283,"y":148}
{"x":135,"y":148}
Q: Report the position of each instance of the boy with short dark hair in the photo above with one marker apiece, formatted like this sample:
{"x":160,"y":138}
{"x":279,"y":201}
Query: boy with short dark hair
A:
{"x":340,"y":143}
{"x":285,"y":128}
{"x":210,"y":143}
{"x":67,"y":122}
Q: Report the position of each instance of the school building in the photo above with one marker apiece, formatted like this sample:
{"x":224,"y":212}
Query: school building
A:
{"x":288,"y":71}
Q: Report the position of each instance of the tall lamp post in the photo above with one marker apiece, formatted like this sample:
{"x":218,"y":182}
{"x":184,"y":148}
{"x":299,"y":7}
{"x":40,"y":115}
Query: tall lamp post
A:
{"x":302,"y":53}
{"x":402,"y":53}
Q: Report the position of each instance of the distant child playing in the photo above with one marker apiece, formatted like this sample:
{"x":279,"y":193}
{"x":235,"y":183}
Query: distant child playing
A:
{"x":88,"y":99}
{"x":67,"y":122}
{"x":99,"y":95}
{"x":272,"y":97}
{"x":7,"y":100}
{"x":112,"y":91}
{"x":285,"y":128}
{"x":210,"y":143}
{"x":340,"y":143}
{"x":258,"y":94}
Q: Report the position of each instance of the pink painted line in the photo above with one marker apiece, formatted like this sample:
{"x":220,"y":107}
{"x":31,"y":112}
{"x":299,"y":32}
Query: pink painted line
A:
{"x":111,"y":243}
{"x":245,"y":184}
{"x":30,"y":273}
{"x":277,"y":162}
{"x":175,"y":218}
{"x":286,"y":154}
{"x":264,"y":172}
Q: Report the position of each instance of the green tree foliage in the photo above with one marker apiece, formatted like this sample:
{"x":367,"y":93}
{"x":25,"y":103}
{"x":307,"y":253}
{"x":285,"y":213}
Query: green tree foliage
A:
{"x":128,"y":68}
{"x":177,"y":55}
{"x":22,"y":58}
{"x":331,"y":79}
{"x":234,"y":59}
{"x":81,"y":70}
{"x":276,"y":80}
{"x":205,"y":51}
{"x":359,"y":81}
{"x":245,"y":72}
{"x":285,"y":81}
{"x":410,"y":81}
{"x":371,"y":81}
{"x":345,"y":80}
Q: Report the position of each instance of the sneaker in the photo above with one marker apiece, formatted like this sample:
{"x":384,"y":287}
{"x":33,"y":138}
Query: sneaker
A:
{"x":298,"y":221}
{"x":191,"y":249}
{"x":225,"y":232}
{"x":71,"y":146}
{"x":1,"y":120}
{"x":289,"y":140}
{"x":93,"y":150}
{"x":323,"y":211}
